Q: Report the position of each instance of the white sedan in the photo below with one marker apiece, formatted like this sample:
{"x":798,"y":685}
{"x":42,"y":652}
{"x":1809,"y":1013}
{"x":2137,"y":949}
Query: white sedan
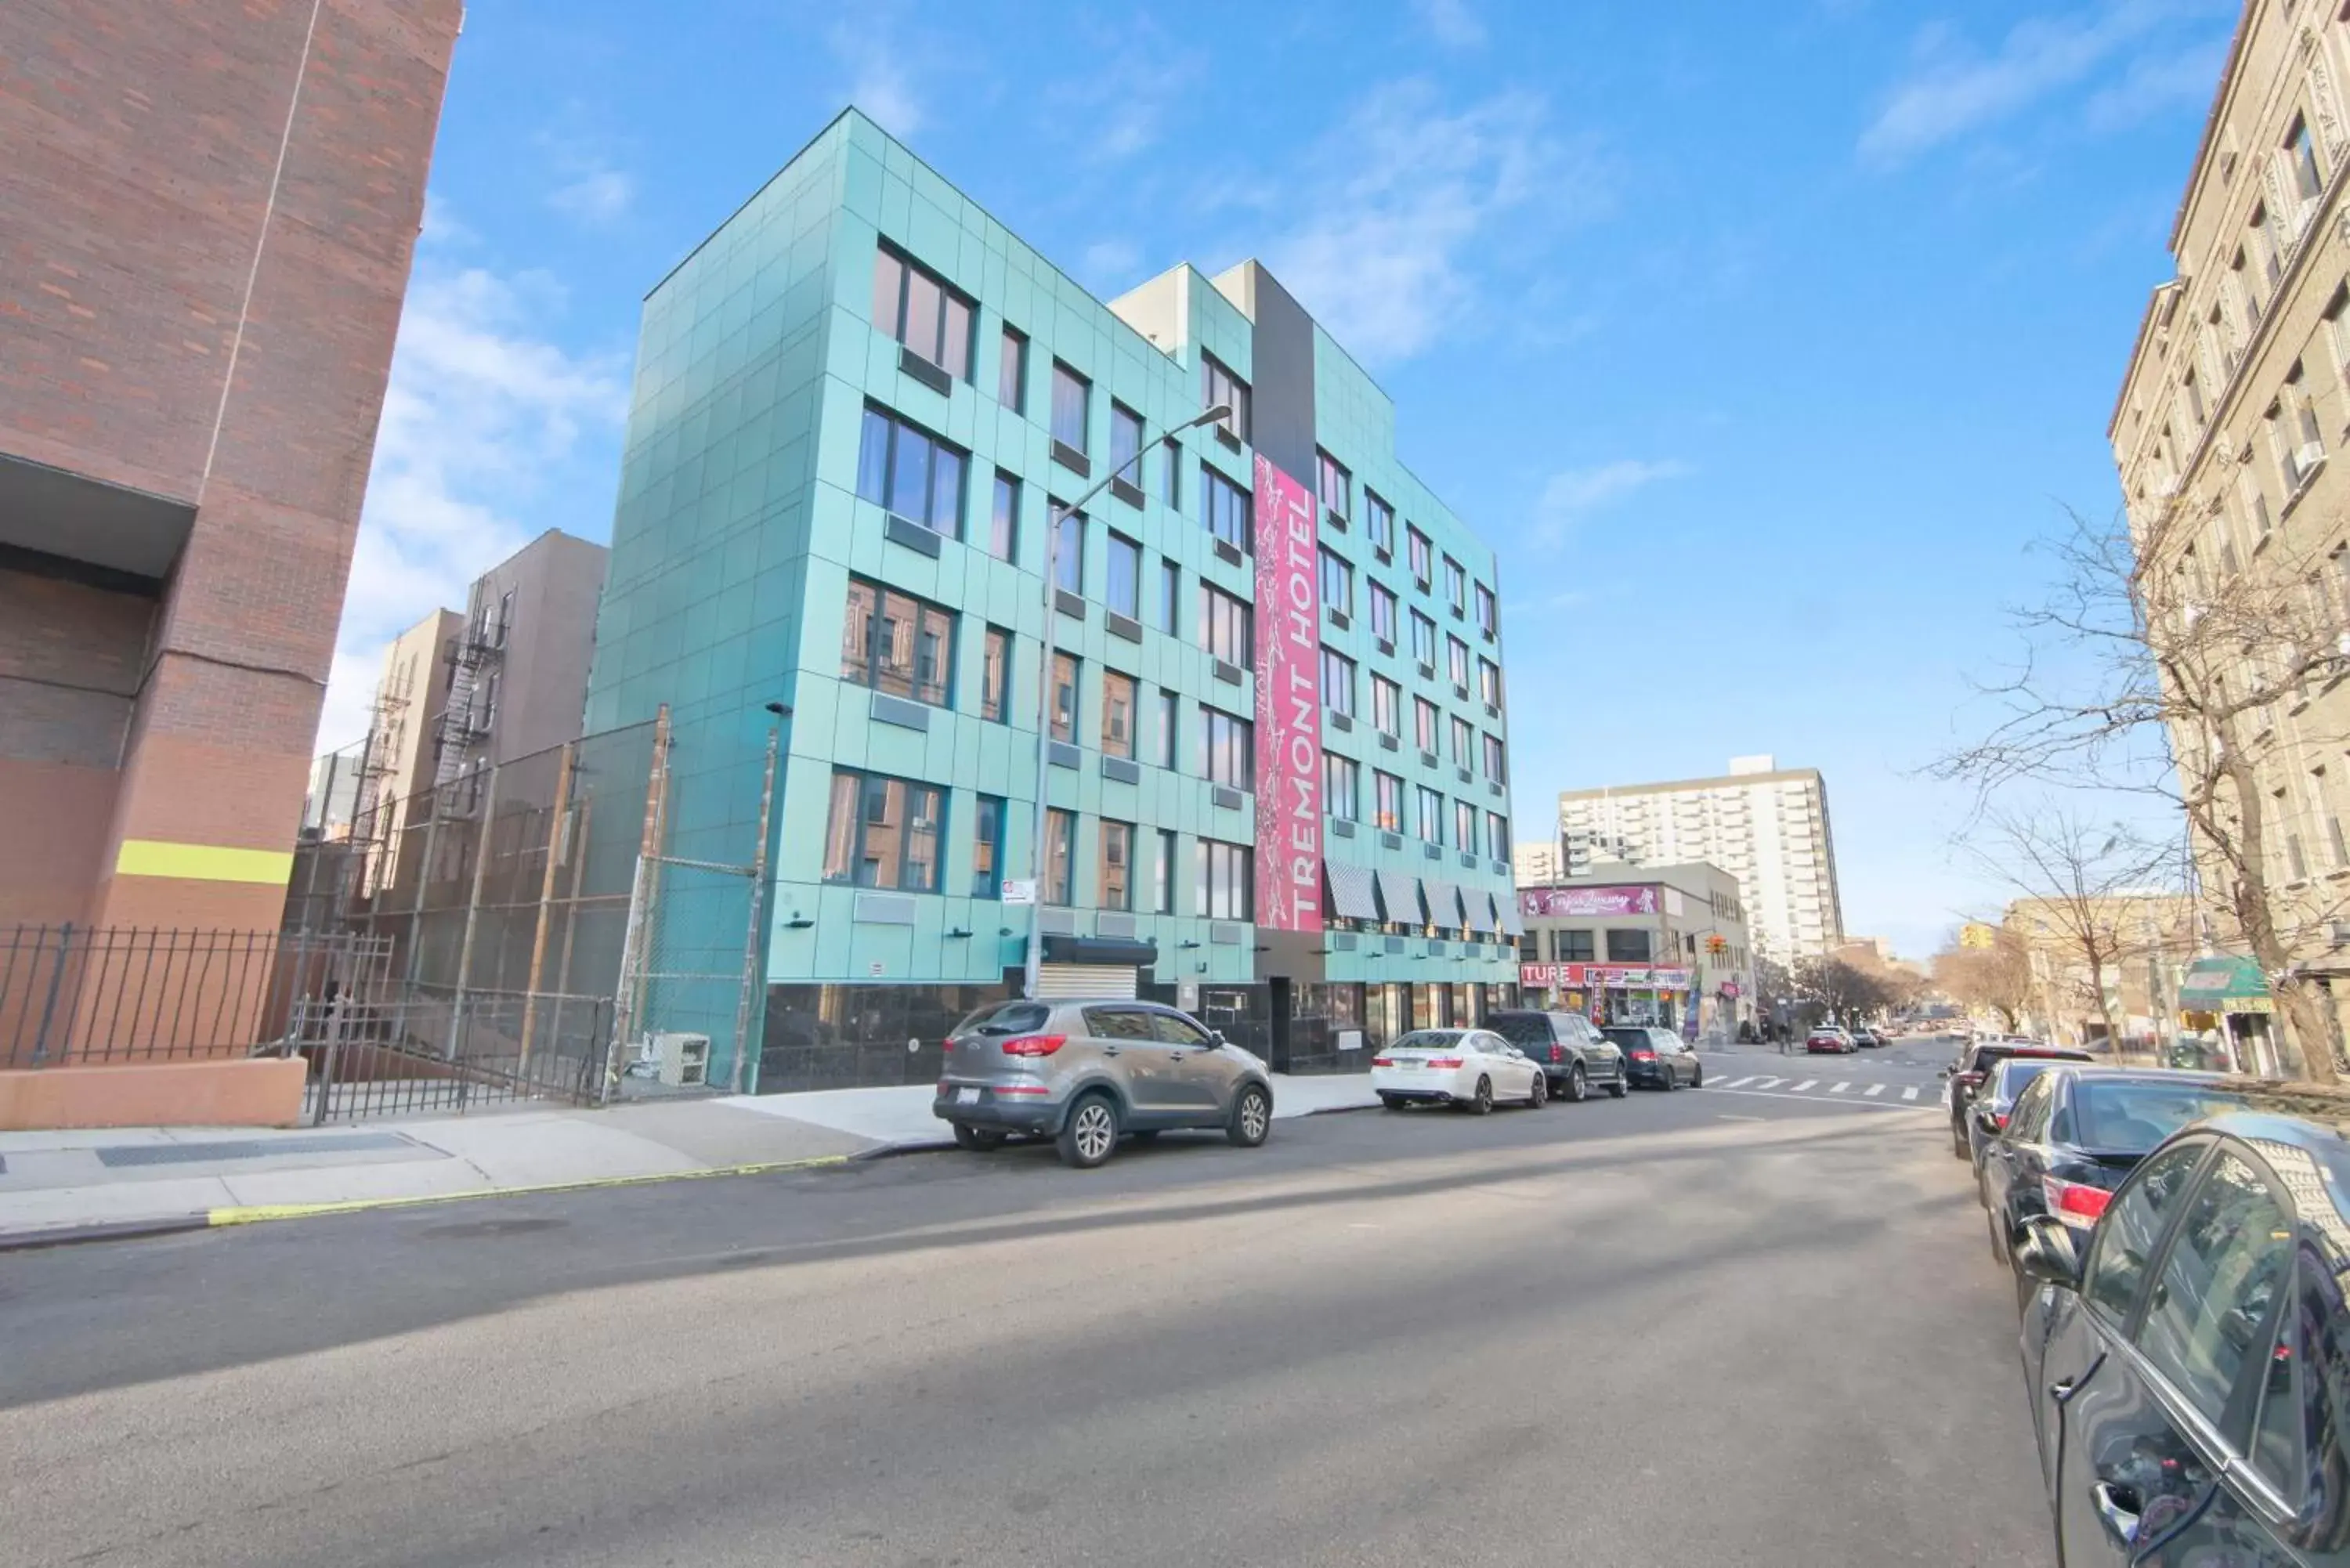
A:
{"x":1470,"y":1068}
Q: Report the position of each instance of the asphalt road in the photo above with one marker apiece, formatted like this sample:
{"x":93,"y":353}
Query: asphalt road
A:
{"x":1684,"y":1329}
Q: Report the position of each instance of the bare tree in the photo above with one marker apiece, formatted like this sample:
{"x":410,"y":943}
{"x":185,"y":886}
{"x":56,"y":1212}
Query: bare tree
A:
{"x":2084,"y":882}
{"x":1998,"y":977}
{"x":2154,"y":667}
{"x":1845,"y":989}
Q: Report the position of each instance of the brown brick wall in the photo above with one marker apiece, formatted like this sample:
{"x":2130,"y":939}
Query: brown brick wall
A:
{"x":135,"y":203}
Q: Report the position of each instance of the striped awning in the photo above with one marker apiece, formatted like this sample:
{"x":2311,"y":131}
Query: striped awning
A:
{"x":1481,"y":916}
{"x":1444,"y":904}
{"x":1400,"y":891}
{"x":1512,"y":924}
{"x":1353,"y":896}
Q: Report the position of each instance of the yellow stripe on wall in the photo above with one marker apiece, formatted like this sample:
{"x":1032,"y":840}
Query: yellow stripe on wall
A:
{"x":202,"y":862}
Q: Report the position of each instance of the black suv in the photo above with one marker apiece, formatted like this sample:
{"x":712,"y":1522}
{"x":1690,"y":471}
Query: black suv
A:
{"x":1573,"y":1054}
{"x":1974,"y":1068}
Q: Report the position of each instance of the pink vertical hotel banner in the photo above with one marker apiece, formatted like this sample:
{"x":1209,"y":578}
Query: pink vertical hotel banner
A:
{"x":1288,"y":707}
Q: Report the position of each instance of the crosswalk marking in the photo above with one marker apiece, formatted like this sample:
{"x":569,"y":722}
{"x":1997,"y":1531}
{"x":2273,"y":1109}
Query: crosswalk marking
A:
{"x":1841,"y":1085}
{"x":1873,"y":1090}
{"x":1909,"y":1094}
{"x":1768,"y":1083}
{"x":1735,"y":1082}
{"x":1805,"y":1085}
{"x":1851,"y":1090}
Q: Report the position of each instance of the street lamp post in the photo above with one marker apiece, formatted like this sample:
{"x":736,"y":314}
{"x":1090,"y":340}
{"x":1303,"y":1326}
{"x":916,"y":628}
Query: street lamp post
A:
{"x":1054,"y":515}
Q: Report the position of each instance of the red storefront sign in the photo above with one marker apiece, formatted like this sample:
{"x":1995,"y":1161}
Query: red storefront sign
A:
{"x":1610,"y":977}
{"x":1288,"y":707}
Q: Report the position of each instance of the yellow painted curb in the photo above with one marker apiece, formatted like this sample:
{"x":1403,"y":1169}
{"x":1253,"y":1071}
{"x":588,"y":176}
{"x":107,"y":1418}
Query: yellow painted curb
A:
{"x":261,"y":1213}
{"x":201,"y":862}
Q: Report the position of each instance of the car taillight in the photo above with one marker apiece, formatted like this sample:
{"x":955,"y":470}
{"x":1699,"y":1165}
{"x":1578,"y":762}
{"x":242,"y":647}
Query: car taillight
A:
{"x":1999,"y":1120}
{"x":1035,"y":1044}
{"x":1443,"y":1063}
{"x":1382,"y":1061}
{"x":2073,"y":1203}
{"x":1969,"y":1080}
{"x":1558,"y":1053}
{"x":1642,"y":1056}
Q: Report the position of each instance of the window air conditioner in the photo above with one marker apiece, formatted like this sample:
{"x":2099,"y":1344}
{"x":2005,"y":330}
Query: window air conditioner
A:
{"x":684,"y":1059}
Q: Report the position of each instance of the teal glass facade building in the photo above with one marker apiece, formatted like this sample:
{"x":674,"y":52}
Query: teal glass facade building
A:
{"x":856,"y":407}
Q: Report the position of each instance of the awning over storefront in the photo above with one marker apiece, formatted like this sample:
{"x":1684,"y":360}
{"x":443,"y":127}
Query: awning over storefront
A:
{"x":1444,"y":903}
{"x":2224,"y":985}
{"x":1352,"y":894}
{"x":1481,"y":910}
{"x":1400,"y":891}
{"x":1513,"y":923}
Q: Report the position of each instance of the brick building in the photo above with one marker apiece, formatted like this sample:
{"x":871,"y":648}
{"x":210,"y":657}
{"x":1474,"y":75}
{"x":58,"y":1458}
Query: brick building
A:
{"x":207,"y":213}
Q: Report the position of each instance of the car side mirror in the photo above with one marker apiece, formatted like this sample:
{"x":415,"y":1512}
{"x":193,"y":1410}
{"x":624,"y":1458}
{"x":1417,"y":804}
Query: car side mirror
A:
{"x":2047,"y":1252}
{"x":1216,"y":1037}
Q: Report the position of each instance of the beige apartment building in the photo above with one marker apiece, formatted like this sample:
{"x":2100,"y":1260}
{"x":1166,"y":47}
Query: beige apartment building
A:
{"x":2228,"y":433}
{"x":2144,"y":943}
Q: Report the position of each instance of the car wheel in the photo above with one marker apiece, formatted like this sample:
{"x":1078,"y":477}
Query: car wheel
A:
{"x":1697,"y":1079}
{"x":1959,"y":1144}
{"x":1252,"y":1117}
{"x":1538,"y":1091}
{"x":1577,"y":1085}
{"x":1616,"y":1091}
{"x":1482,"y":1102}
{"x":979,"y":1140}
{"x":1998,"y":1242}
{"x":1392,"y":1102}
{"x":1668,"y":1078}
{"x":1089,"y":1135}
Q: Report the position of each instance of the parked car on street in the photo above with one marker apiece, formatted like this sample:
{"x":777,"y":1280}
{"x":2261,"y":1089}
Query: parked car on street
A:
{"x":2075,"y":1133}
{"x":1086,"y":1074}
{"x":1470,"y":1068}
{"x":1974,"y":1067}
{"x":2187,"y":1359}
{"x":1827,"y":1039}
{"x":1866,"y":1038}
{"x":1569,"y":1049}
{"x":1988,"y":1111}
{"x":1657,"y":1057}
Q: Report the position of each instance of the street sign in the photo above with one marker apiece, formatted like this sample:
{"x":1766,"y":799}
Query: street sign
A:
{"x":1020,"y":890}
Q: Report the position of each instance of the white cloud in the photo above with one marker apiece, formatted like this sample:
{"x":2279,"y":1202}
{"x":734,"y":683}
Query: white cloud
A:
{"x":1571,"y":494}
{"x":1453,"y":22}
{"x":590,"y":187}
{"x":1956,"y":89}
{"x":597,"y":196}
{"x":2159,"y":83}
{"x":1108,"y":264}
{"x":878,"y":80}
{"x":1133,"y":78}
{"x":1406,"y":192}
{"x":481,"y":411}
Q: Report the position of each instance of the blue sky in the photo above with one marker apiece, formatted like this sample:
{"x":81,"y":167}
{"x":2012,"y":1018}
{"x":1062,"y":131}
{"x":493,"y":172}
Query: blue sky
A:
{"x":1760,"y":341}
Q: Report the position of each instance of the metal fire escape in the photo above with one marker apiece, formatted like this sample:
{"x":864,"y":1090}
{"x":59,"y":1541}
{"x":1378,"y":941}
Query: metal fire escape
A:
{"x":471,"y":707}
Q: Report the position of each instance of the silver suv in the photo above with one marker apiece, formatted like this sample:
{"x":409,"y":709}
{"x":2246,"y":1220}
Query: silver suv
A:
{"x":1084,"y":1073}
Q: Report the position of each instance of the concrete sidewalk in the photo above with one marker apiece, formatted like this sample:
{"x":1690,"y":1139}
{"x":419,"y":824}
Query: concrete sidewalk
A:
{"x":85,"y":1184}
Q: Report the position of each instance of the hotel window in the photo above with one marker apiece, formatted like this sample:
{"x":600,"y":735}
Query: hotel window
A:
{"x":1497,"y":834}
{"x":1424,"y":724}
{"x":1337,"y":682}
{"x":1464,"y":738}
{"x":1387,"y":706}
{"x":1163,"y":874}
{"x":1341,"y":785}
{"x":1004,"y":519}
{"x":1170,"y":476}
{"x":1072,"y":397}
{"x":987,"y":848}
{"x":1456,"y":586}
{"x":1336,"y":485}
{"x":1464,"y":826}
{"x":1497,"y":766}
{"x":1117,"y":714}
{"x":1380,"y":521}
{"x":1456,"y":655}
{"x":1069,"y":552}
{"x":1337,"y":582}
{"x":918,"y":309}
{"x":1383,"y":614}
{"x":1223,"y":507}
{"x":1423,"y":640}
{"x":1489,"y":611}
{"x":1431,"y":815}
{"x":1227,"y":626}
{"x":1065,"y":697}
{"x":1489,"y":682}
{"x":1169,"y":705}
{"x":1012,"y":372}
{"x":883,"y":833}
{"x":1122,"y":585}
{"x":1125,"y":444}
{"x":1060,"y":856}
{"x":1227,"y":880}
{"x":1218,"y":385}
{"x":995,"y":676}
{"x":1423,"y":555}
{"x":1387,"y":791}
{"x":899,"y":644}
{"x":1171,"y":598}
{"x":911,"y":472}
{"x":1114,"y":888}
{"x":1227,"y":749}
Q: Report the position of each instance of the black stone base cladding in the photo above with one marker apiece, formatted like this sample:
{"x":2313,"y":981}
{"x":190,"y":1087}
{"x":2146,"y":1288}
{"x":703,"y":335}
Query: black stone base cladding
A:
{"x":1241,"y":1013}
{"x":1323,"y":1012}
{"x":854,"y":1036}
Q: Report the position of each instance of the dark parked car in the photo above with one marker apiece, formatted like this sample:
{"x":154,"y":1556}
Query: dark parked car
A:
{"x":1573,"y":1055}
{"x":1657,"y":1057}
{"x":2188,"y":1361}
{"x":1085,"y":1072}
{"x":1866,"y":1038}
{"x":2075,"y":1133}
{"x":1988,"y":1111}
{"x":1975,"y":1066}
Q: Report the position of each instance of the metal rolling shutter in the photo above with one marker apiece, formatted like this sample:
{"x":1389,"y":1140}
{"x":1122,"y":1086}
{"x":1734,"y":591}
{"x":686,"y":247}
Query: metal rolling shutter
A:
{"x":1085,"y":982}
